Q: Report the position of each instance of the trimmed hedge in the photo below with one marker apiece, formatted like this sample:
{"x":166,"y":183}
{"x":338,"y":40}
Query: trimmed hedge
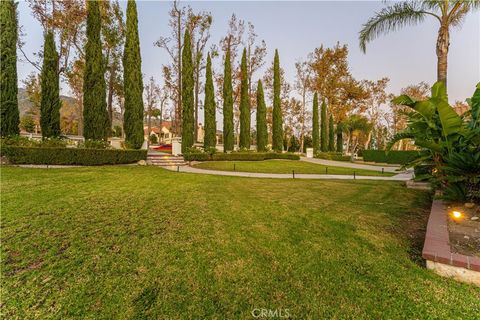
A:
{"x":393,"y":156}
{"x":337,"y":156}
{"x":239,"y":156}
{"x":71,"y":156}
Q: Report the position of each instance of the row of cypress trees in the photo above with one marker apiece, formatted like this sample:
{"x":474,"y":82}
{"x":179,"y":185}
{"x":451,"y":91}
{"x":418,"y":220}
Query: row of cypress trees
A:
{"x":245,"y":115}
{"x":95,"y":115}
{"x":320,"y":139}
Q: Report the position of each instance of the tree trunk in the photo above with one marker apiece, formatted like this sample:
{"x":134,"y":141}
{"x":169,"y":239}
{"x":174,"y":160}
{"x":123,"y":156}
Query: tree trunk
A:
{"x":197,"y":81}
{"x":160,"y":138}
{"x":149,"y":124}
{"x":443,"y":43}
{"x":302,"y":131}
{"x":178,"y":111}
{"x":369,"y":138}
{"x":80,"y":117}
{"x":110,"y":96}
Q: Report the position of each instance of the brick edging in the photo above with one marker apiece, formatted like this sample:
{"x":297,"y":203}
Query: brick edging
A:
{"x":437,"y":243}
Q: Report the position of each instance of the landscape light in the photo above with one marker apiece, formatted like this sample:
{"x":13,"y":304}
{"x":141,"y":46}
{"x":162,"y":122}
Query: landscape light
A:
{"x":457,"y":215}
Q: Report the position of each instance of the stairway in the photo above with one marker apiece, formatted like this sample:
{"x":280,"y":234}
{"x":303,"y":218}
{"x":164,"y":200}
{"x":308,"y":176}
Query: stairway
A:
{"x":165,"y":160}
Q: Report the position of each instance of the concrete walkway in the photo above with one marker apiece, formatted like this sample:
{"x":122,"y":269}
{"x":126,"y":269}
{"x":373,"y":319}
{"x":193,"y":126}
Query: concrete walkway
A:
{"x":345,"y":164}
{"x":399,"y":177}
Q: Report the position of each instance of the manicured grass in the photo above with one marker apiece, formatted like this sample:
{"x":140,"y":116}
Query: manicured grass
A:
{"x":285,"y":166}
{"x":141,"y":242}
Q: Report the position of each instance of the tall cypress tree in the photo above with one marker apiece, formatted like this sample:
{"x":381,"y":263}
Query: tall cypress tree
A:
{"x":339,"y":137}
{"x":323,"y":129}
{"x":228,"y":136}
{"x":95,"y":117}
{"x":187,"y":94}
{"x":210,"y":139}
{"x":50,"y":94}
{"x":262,"y":134}
{"x":315,"y":125}
{"x":132,"y":81}
{"x":244,"y":105}
{"x":277,"y":125}
{"x":9,"y":113}
{"x":331,"y":135}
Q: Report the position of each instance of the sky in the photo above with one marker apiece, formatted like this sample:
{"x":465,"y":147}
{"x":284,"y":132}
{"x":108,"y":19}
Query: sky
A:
{"x":406,"y":56}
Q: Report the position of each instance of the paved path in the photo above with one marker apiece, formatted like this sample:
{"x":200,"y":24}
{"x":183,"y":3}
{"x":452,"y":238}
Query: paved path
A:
{"x":346,"y":164}
{"x":399,"y":177}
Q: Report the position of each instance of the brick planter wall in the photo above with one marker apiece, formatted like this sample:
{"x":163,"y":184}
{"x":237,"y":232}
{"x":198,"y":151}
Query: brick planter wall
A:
{"x":438,"y":254}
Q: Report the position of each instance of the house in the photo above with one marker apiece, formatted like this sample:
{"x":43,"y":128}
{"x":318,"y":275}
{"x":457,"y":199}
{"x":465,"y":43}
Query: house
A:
{"x":163,"y":134}
{"x":201,"y":134}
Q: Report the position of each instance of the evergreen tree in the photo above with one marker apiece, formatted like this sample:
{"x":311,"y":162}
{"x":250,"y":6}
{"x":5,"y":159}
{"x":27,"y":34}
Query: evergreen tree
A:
{"x":9,"y":113}
{"x":187,"y":94}
{"x":228,"y":136}
{"x":95,"y":116}
{"x":315,"y":125}
{"x":277,"y":125}
{"x":331,"y":135}
{"x":323,"y":129}
{"x":210,"y":139}
{"x":339,"y":137}
{"x":262,"y":134}
{"x":244,"y":105}
{"x":50,"y":89}
{"x":132,"y":81}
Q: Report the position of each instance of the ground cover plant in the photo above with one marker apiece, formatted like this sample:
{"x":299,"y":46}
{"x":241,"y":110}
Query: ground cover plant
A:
{"x":285,"y":166}
{"x":142,"y":242}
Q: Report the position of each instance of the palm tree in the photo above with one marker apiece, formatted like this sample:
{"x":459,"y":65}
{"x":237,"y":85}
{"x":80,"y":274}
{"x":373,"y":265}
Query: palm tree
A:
{"x":449,"y":13}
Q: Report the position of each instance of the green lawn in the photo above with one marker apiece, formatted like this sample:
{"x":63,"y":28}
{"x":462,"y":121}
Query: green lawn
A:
{"x":140,"y":242}
{"x":285,"y":166}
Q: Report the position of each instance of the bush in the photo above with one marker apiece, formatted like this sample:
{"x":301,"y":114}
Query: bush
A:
{"x":196,"y":156}
{"x":392,"y":157}
{"x":423,"y":172}
{"x":284,"y":156}
{"x":337,"y":156}
{"x":70,"y":156}
{"x":20,"y":141}
{"x":153,"y":139}
{"x":95,"y":144}
{"x":239,"y":156}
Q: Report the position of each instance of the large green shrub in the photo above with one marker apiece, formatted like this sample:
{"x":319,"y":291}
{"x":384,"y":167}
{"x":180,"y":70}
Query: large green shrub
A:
{"x":50,"y":94}
{"x":244,"y":104}
{"x":337,"y":156}
{"x":95,"y":116}
{"x":187,"y":94}
{"x":449,"y":143}
{"x":132,"y":81}
{"x":70,"y":156}
{"x":392,"y":157}
{"x":210,"y":138}
{"x":9,"y":113}
{"x":277,"y":121}
{"x":228,"y":134}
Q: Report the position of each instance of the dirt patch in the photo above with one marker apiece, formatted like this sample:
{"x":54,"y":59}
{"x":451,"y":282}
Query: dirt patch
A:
{"x":464,"y":232}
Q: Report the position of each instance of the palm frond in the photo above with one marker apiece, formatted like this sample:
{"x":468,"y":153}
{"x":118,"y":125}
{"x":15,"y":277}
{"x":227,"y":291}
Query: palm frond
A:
{"x":390,"y":19}
{"x":399,"y":136}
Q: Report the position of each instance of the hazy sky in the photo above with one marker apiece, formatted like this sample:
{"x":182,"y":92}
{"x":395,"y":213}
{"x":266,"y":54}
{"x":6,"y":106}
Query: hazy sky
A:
{"x":296,"y":28}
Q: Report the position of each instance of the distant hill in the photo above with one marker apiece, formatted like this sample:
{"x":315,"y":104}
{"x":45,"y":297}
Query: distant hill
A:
{"x":24,"y":105}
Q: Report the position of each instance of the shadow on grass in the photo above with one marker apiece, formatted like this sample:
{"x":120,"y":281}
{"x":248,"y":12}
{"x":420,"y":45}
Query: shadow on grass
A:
{"x":411,"y":227}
